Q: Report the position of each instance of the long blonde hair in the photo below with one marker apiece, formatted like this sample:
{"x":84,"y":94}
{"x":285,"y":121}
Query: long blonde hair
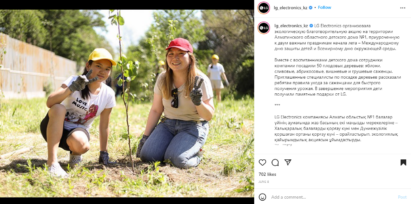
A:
{"x":166,"y":83}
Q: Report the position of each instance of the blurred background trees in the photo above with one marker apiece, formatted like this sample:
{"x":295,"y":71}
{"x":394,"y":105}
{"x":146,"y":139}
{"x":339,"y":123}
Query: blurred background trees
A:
{"x":71,"y":34}
{"x":67,"y":33}
{"x":227,"y":33}
{"x":231,"y":36}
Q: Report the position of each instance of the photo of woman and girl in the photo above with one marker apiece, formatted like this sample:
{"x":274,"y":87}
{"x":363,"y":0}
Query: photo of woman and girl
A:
{"x":177,"y":125}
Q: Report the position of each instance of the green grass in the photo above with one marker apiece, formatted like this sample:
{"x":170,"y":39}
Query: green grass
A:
{"x":22,"y":115}
{"x":227,"y":168}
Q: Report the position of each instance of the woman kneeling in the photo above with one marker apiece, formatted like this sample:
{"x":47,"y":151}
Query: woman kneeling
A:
{"x":185,"y":96}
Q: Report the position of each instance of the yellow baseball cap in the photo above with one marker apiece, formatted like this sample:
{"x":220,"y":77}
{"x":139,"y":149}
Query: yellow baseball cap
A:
{"x":101,"y":53}
{"x":161,"y":62}
{"x":214,"y":57}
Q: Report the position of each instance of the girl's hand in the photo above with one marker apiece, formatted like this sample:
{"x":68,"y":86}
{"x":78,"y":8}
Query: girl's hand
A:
{"x":81,"y":82}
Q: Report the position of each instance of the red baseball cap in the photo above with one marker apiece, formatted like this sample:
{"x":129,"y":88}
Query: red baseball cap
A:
{"x":181,"y":44}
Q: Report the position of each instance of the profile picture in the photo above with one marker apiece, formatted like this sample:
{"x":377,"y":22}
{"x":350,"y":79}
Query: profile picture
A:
{"x":263,"y":27}
{"x":263,"y":7}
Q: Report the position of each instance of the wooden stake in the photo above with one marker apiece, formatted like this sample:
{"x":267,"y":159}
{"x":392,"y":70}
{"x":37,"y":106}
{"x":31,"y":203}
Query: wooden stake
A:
{"x":20,"y":151}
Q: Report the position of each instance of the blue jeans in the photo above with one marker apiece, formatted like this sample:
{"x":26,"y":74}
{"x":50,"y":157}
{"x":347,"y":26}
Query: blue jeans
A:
{"x":176,"y":140}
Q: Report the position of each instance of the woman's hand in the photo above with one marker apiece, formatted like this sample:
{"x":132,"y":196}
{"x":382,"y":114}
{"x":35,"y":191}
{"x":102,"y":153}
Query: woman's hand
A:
{"x":81,"y":82}
{"x":196,"y":94}
{"x":140,"y":145}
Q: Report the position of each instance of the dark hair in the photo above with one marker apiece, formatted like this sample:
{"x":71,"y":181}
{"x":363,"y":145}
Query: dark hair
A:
{"x":85,"y":93}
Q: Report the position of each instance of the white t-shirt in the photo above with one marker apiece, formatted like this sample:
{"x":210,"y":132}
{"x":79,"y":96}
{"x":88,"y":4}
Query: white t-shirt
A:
{"x":186,"y":109}
{"x":81,"y":112}
{"x":215,"y":72}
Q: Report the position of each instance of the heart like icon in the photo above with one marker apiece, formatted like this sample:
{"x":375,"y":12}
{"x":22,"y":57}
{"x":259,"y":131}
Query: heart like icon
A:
{"x":262,"y":162}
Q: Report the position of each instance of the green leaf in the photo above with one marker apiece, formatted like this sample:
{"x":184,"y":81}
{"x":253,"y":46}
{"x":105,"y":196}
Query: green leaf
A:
{"x":113,"y":21}
{"x":130,"y":64}
{"x":110,"y":17}
{"x":120,"y":20}
{"x":120,"y":82}
{"x":133,"y":70}
{"x":126,"y":73}
{"x":125,"y":136}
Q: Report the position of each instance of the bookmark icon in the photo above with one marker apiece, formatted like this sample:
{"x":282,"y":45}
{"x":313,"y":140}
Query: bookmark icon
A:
{"x":403,"y":161}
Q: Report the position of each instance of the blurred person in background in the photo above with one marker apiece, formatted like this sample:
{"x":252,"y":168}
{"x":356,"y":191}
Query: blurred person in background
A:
{"x":215,"y":72}
{"x":160,"y":68}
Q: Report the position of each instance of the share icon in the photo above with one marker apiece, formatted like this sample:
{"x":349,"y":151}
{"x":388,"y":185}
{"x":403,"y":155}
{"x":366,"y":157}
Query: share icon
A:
{"x":288,"y":161}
